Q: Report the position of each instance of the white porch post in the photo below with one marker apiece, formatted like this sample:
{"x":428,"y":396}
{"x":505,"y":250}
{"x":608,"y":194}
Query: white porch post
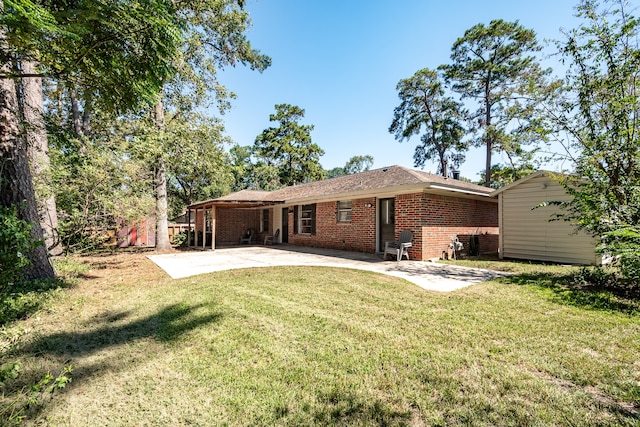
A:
{"x":204,"y":227}
{"x":197,"y":238}
{"x":188,"y":228}
{"x":213,"y":227}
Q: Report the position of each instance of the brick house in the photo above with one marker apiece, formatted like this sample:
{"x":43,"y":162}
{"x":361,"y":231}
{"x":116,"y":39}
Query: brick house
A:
{"x":358,"y":212}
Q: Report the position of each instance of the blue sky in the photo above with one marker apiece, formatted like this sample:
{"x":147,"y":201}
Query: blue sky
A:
{"x":341,"y":61}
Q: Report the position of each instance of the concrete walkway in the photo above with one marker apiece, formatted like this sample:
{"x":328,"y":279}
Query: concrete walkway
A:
{"x":427,"y":275}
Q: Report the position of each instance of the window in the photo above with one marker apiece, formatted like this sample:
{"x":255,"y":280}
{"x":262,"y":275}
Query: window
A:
{"x":264,"y":220}
{"x":344,"y":211}
{"x":306,"y":219}
{"x":208,"y":221}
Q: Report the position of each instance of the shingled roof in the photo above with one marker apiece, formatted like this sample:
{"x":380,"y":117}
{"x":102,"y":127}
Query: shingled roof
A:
{"x":391,"y":178}
{"x":245,"y":196}
{"x":388,"y":179}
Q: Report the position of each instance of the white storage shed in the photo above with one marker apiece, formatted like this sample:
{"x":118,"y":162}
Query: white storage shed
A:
{"x":527,"y":233}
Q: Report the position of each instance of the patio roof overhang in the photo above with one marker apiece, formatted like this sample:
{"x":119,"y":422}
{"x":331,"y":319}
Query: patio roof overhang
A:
{"x":233,"y":204}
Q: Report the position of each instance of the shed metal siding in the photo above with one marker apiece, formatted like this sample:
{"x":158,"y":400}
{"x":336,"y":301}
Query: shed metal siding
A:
{"x":527,"y":233}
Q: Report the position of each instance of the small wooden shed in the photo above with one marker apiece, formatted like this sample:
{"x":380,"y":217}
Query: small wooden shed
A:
{"x":528,"y":233}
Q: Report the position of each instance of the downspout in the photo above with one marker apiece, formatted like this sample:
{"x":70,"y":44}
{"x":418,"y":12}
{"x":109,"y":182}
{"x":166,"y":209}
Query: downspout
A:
{"x":500,"y":226}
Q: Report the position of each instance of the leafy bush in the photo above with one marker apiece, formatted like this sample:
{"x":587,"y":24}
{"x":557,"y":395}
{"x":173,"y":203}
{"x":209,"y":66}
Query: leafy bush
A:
{"x":624,"y":243}
{"x":180,"y":239}
{"x":26,"y":301}
{"x":14,"y":412}
{"x":16,"y":244}
{"x":69,"y":267}
{"x":599,"y":277}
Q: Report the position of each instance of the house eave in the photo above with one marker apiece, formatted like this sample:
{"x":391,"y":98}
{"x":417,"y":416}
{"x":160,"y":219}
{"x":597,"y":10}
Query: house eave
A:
{"x":461,"y":190}
{"x":394,"y":190}
{"x":234,"y":204}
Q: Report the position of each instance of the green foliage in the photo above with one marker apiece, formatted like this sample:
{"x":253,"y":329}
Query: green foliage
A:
{"x":16,"y":246}
{"x":32,"y":395}
{"x":121,"y":50}
{"x":192,"y":148}
{"x":197,"y":166}
{"x":240,"y":166}
{"x":598,"y":277}
{"x":69,"y":267}
{"x":286,"y":151}
{"x":120,"y":57}
{"x":600,"y":111}
{"x":97,"y":183}
{"x":424,"y":109}
{"x":214,"y":38}
{"x":26,"y":298}
{"x":495,"y":66}
{"x":355,"y":164}
{"x":623,"y":241}
{"x":502,"y":175}
{"x":180,"y":239}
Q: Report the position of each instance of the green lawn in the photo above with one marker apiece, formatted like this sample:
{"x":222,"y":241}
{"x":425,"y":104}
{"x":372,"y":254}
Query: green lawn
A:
{"x":324,"y":346}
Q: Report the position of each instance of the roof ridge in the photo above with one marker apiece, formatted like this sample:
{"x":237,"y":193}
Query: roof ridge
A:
{"x":418,"y":174}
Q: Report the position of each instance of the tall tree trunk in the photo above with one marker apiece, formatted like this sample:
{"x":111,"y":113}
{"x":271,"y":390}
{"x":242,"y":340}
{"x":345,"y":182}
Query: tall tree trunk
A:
{"x":488,"y":139}
{"x":162,"y":222}
{"x":75,"y":113}
{"x":487,"y":175}
{"x":16,"y":187}
{"x":80,"y":123}
{"x":86,"y":116}
{"x":38,"y":153}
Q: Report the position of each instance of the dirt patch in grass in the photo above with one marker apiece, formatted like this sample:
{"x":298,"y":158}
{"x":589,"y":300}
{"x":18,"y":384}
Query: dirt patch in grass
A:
{"x":627,"y":408}
{"x":118,"y":269}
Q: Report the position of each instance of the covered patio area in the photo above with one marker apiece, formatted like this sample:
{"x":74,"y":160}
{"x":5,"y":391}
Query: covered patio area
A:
{"x":240,"y":211}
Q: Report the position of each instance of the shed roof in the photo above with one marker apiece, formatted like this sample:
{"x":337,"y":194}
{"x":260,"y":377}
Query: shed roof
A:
{"x":523,"y":180}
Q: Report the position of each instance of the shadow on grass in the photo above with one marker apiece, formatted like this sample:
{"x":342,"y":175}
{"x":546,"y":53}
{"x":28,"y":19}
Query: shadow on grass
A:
{"x":342,"y":408}
{"x":166,"y":326}
{"x":563,"y":289}
{"x":50,"y":353}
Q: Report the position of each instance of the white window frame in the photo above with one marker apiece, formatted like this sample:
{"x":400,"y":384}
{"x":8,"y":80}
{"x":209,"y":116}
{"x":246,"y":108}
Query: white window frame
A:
{"x":264,"y":220}
{"x":305,"y":219}
{"x":343,"y":210}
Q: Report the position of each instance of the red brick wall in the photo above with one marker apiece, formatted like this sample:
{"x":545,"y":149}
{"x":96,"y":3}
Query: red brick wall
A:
{"x":411,"y":214}
{"x":231,"y":224}
{"x":447,"y":217}
{"x":359,"y":235}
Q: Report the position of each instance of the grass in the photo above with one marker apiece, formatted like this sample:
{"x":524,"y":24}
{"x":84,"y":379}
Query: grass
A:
{"x":323,"y":346}
{"x":22,"y":299}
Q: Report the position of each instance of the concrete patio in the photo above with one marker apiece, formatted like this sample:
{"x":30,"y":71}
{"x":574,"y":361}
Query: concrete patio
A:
{"x":427,"y":275}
